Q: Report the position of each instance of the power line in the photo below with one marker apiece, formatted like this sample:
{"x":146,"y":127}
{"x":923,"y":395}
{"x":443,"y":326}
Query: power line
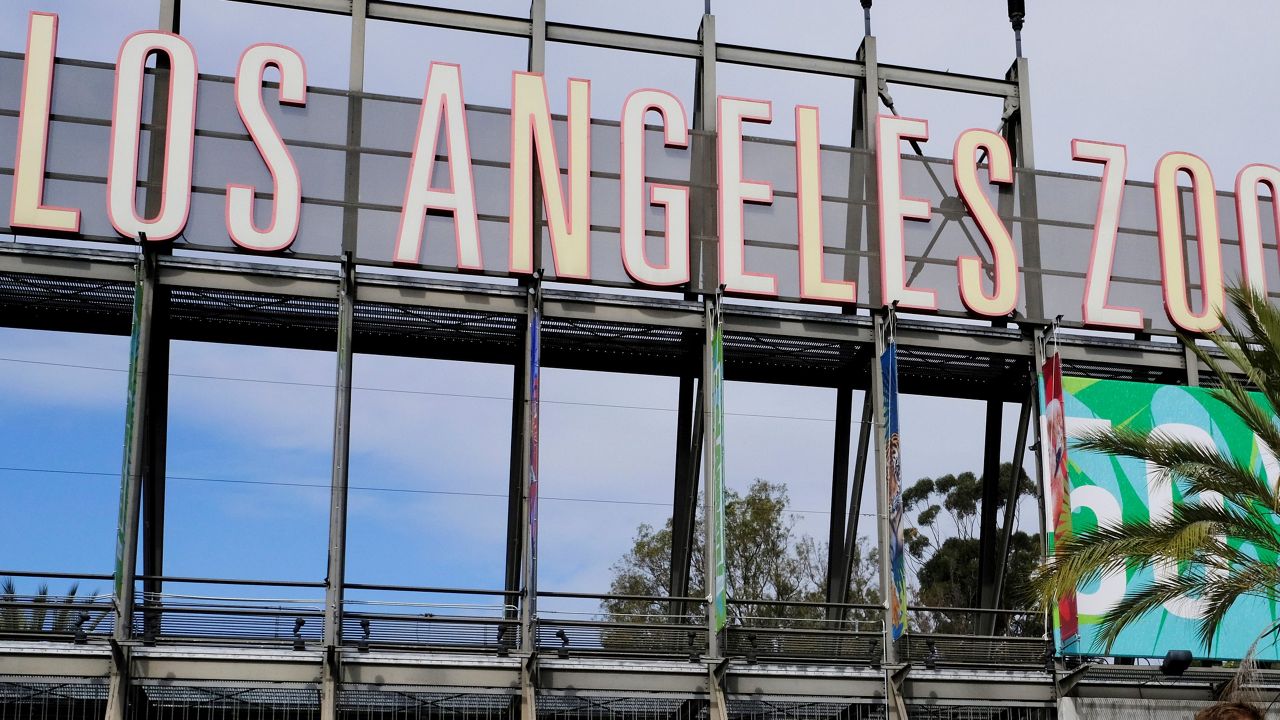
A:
{"x":434,"y":393}
{"x":372,"y":488}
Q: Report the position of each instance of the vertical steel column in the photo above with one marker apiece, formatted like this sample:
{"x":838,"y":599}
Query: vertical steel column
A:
{"x":336,"y":575}
{"x":131,"y":481}
{"x":862,"y":184}
{"x":836,"y":548}
{"x":855,"y":497}
{"x":337,"y":567}
{"x":155,"y":428}
{"x":1011,"y":502}
{"x":154,"y":440}
{"x":987,"y":559}
{"x":1192,"y":363}
{"x":1018,"y":134}
{"x":703,"y":227}
{"x":525,"y":575}
{"x":144,"y":452}
{"x":879,"y":323}
{"x":515,"y":486}
{"x":685,"y":498}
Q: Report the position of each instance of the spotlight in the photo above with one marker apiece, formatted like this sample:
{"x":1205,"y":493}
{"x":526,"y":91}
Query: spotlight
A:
{"x":504,"y":644}
{"x":874,"y":654}
{"x":1175,"y":663}
{"x":363,"y":644}
{"x":752,"y":648}
{"x":931,"y":657}
{"x":563,"y":652}
{"x":693,"y":646}
{"x":1017,"y":13}
{"x":297,"y":634}
{"x":81,"y":637}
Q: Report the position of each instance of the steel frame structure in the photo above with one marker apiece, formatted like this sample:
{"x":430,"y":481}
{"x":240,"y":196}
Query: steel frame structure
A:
{"x":159,"y":297}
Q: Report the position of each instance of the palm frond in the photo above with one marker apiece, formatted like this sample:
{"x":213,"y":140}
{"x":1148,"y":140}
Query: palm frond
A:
{"x":1189,"y":534}
{"x":1255,"y":578}
{"x":1200,"y":468}
{"x":1150,"y":597}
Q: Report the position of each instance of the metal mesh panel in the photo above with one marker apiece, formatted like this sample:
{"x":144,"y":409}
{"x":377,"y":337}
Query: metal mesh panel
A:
{"x":645,"y":707}
{"x":775,"y":709}
{"x":163,"y":700}
{"x":361,"y":702}
{"x":985,"y":712}
{"x":52,"y":698}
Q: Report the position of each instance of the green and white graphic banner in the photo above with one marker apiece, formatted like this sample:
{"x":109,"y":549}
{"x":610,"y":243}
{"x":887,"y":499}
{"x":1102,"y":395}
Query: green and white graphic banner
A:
{"x":1105,"y":489}
{"x":717,"y":469}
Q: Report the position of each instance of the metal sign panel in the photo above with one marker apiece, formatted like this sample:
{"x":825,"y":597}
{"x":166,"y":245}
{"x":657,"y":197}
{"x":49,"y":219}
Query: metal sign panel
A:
{"x":1092,"y":245}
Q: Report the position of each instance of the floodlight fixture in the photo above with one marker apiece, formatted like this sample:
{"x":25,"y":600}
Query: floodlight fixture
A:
{"x":365,"y":631}
{"x":931,"y":657}
{"x":1175,"y":663}
{"x":1017,"y":16}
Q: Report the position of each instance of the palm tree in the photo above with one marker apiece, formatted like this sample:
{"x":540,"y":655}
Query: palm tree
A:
{"x":59,"y":617}
{"x":1193,"y":536}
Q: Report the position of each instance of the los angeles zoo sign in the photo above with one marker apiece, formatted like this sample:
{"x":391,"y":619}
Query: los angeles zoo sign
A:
{"x":987,"y":282}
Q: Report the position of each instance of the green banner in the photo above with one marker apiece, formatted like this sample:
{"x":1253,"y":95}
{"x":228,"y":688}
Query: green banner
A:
{"x":1106,"y":489}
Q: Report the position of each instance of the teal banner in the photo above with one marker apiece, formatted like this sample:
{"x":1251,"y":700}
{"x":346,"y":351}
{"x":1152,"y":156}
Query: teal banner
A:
{"x":1105,"y":489}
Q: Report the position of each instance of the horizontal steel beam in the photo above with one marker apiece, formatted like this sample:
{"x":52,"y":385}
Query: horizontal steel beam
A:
{"x":791,"y":345}
{"x":800,"y":62}
{"x":948,"y":81}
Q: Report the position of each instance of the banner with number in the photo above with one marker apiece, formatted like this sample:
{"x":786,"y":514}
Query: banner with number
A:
{"x":1102,"y":489}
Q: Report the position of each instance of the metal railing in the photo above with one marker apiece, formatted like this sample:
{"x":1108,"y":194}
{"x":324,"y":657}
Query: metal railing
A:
{"x":407,"y":617}
{"x":805,"y":631}
{"x":952,"y":636}
{"x":290,"y":614}
{"x":208,"y":611}
{"x":633,"y":625}
{"x":59,"y":608}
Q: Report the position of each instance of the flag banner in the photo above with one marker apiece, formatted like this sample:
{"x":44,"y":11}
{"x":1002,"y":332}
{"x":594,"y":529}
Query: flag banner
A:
{"x":893,"y":482}
{"x":135,"y":350}
{"x":1106,"y":490}
{"x":717,"y":468}
{"x":535,"y":360}
{"x":1053,"y":447}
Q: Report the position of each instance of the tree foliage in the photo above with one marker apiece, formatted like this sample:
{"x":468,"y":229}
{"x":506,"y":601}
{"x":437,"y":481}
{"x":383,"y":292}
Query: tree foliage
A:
{"x":946,"y":547}
{"x":1193,"y":536}
{"x":765,"y":559}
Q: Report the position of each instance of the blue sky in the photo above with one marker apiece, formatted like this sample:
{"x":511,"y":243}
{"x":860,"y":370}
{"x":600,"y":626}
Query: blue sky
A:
{"x":428,"y":436}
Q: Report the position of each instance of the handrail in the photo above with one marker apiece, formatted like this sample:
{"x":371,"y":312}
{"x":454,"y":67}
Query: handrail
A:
{"x":231,"y":581}
{"x":443,"y":591}
{"x":55,"y":575}
{"x":256,"y":602}
{"x":602,"y":596}
{"x":994,"y":611}
{"x":449,"y":619}
{"x":806,"y":603}
{"x":217,"y":610}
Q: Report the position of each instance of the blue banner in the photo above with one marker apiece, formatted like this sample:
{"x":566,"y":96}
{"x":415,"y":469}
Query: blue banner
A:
{"x":893,"y":482}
